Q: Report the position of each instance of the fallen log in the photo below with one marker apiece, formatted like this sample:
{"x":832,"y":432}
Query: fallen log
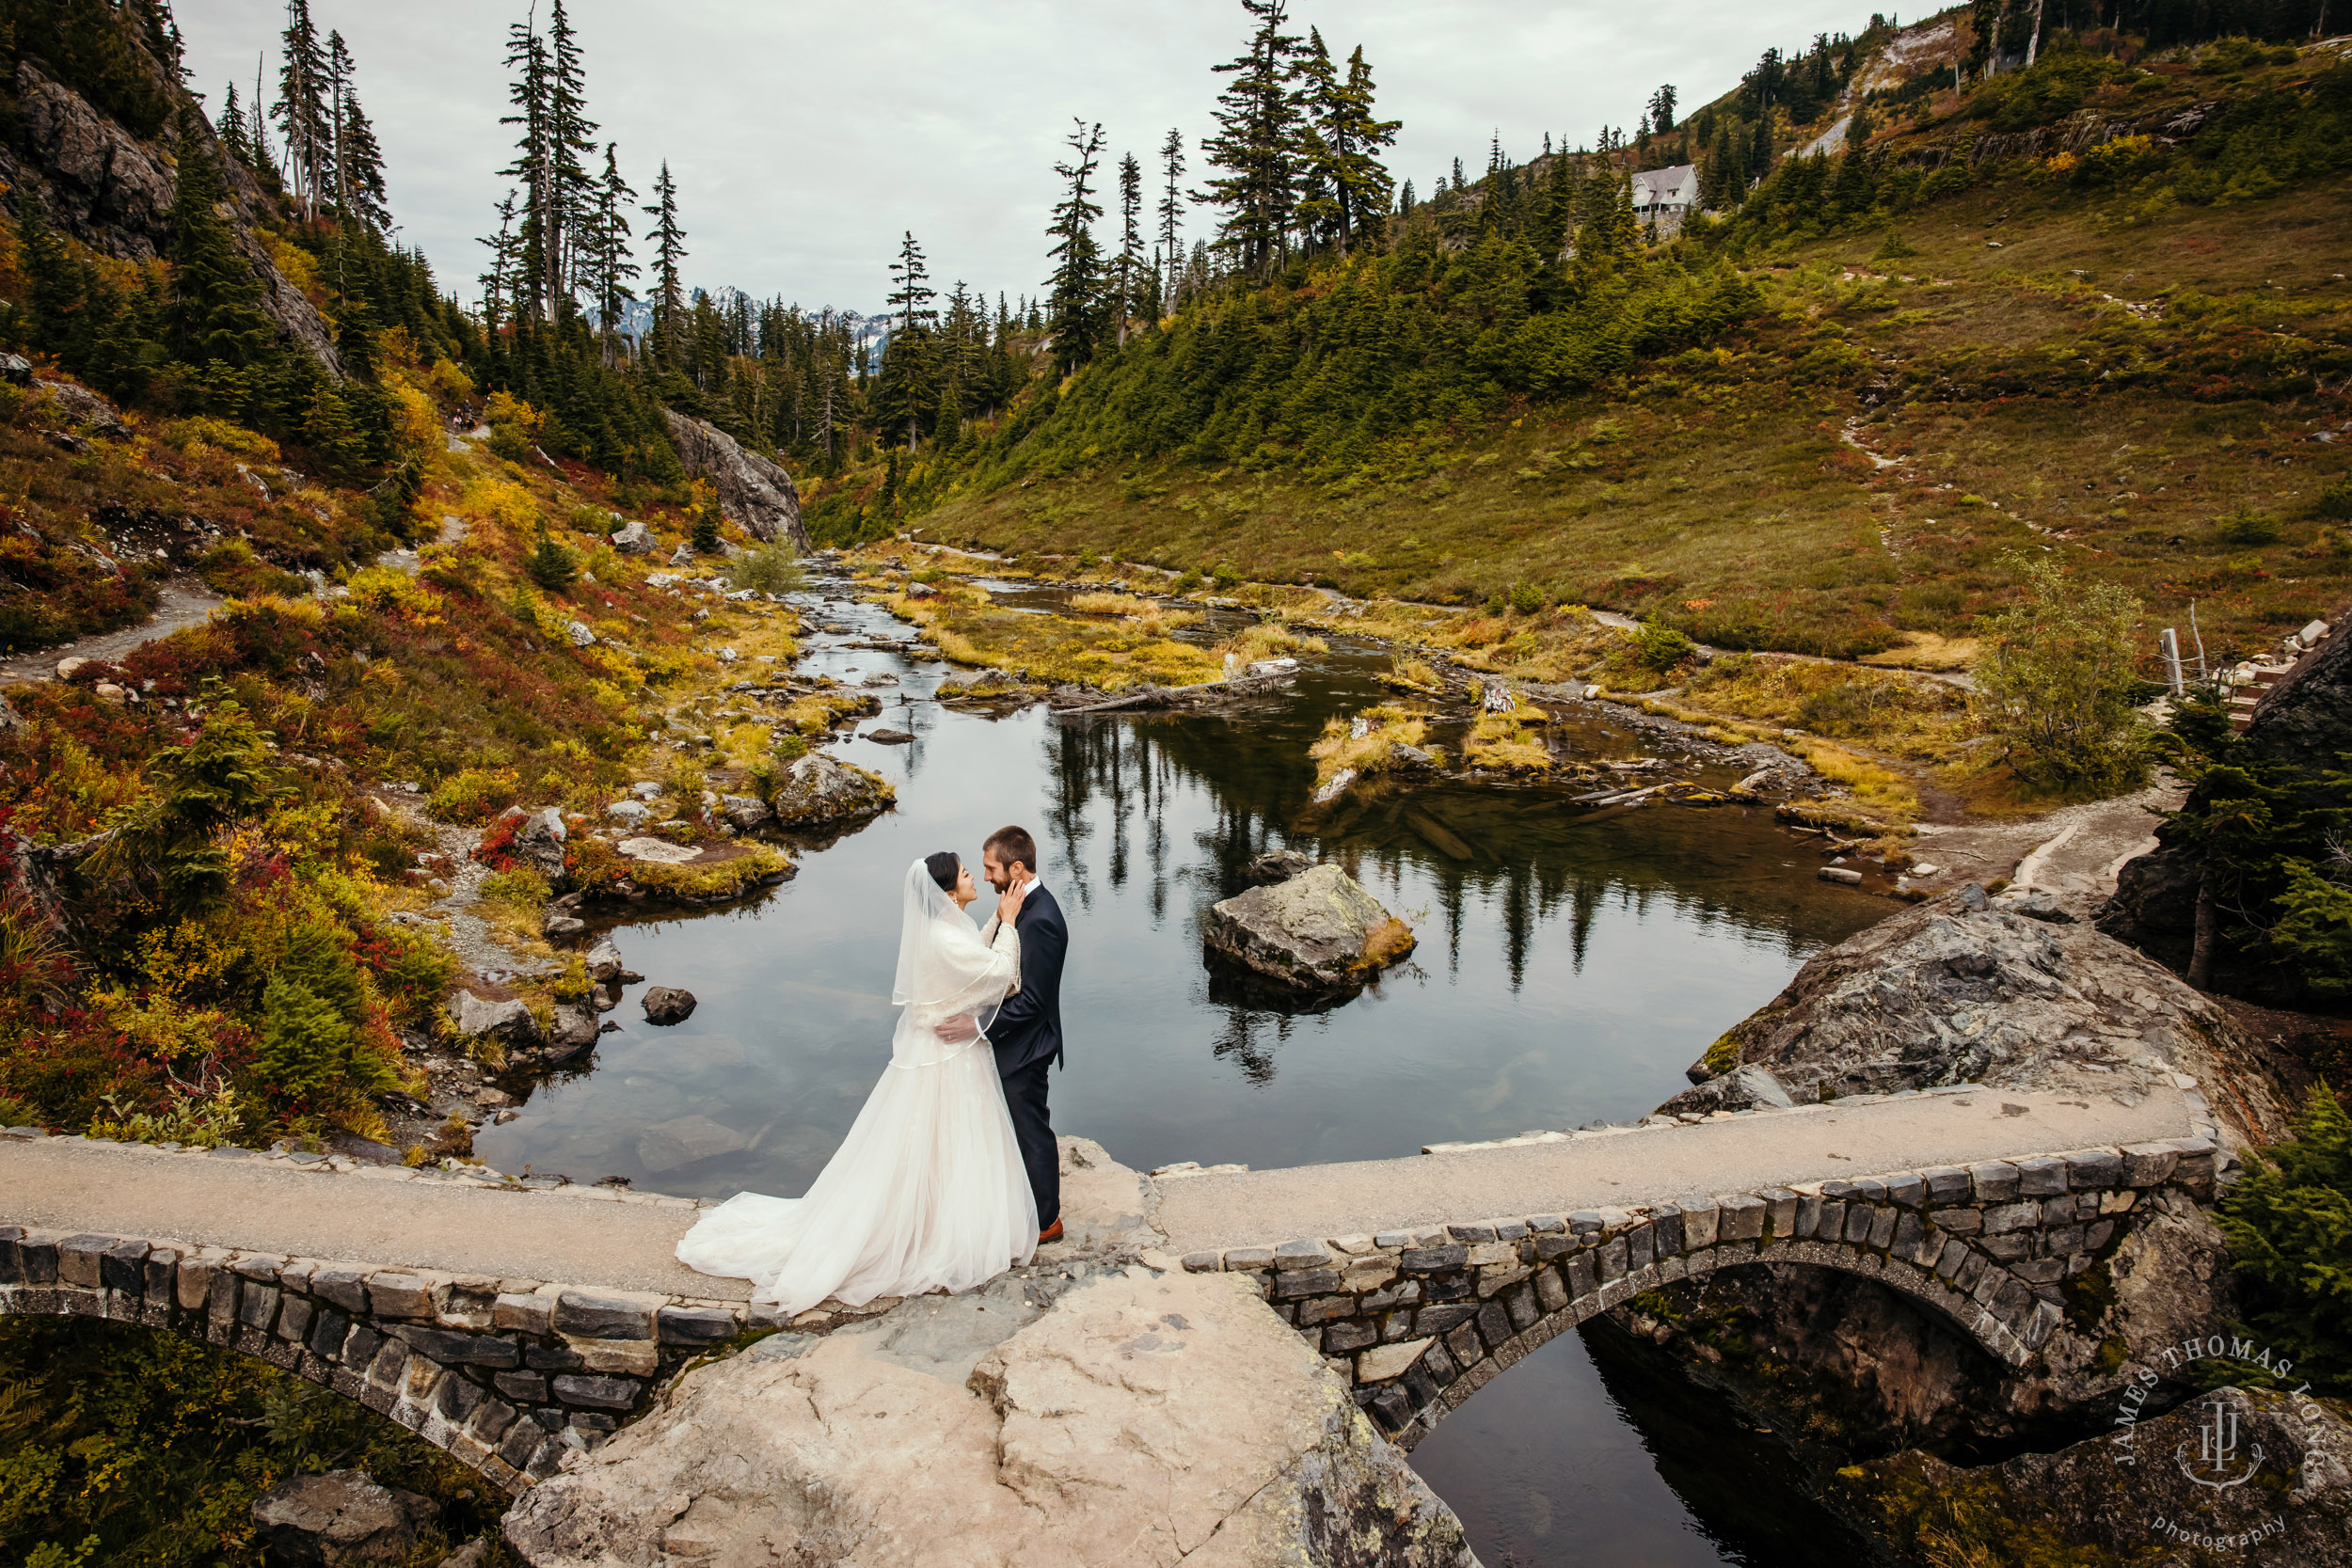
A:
{"x":1152,"y":697}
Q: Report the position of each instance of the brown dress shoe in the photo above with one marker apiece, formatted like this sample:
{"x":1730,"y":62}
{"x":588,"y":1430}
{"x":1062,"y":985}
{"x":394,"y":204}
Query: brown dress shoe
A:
{"x":1051,"y":1233}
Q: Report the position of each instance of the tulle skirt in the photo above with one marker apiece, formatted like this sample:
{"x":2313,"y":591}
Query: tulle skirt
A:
{"x":926,"y":1192}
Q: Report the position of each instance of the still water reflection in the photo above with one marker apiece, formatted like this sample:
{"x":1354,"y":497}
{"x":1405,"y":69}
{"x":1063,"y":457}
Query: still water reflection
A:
{"x":1571,"y":964}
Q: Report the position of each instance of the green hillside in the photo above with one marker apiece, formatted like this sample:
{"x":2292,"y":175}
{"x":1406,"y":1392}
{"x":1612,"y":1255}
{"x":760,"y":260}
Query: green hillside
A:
{"x":1815,"y":424}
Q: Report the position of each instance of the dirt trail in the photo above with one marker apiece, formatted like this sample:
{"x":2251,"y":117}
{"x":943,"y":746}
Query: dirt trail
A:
{"x":184,"y":602}
{"x":2073,"y":853}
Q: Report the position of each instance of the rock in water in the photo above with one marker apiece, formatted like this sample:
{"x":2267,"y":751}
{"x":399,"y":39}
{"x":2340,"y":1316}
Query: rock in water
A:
{"x":1960,"y":990}
{"x":752,"y":491}
{"x":820,"y":788}
{"x":2105,"y":1500}
{"x":575,"y":1030}
{"x":342,"y":1519}
{"x":1143,"y":1419}
{"x":1319,"y":931}
{"x":603,"y":960}
{"x":685,"y":1141}
{"x":668,"y":1004}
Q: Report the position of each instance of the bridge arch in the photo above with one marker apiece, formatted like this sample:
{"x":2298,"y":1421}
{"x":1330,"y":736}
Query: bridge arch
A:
{"x":1417,"y":1321}
{"x":503,"y":1375}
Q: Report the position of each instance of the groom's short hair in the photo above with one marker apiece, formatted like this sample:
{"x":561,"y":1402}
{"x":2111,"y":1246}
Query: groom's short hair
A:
{"x":1013,"y":844}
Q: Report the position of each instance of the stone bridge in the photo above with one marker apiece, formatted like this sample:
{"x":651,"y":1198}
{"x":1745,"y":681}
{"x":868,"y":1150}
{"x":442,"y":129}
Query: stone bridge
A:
{"x":510,"y":1322}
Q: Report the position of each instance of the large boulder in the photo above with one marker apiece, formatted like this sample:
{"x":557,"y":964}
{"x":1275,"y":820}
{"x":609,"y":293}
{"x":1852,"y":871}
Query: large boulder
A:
{"x":509,"y":1021}
{"x":745,"y":814}
{"x":1963,"y":990}
{"x":820,"y":788}
{"x":752,"y":491}
{"x":1133,"y":1416}
{"x":1318,"y":931}
{"x":342,"y":1519}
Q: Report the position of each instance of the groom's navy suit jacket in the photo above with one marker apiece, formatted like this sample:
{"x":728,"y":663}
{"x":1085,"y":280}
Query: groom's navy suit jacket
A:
{"x":1028,"y":1027}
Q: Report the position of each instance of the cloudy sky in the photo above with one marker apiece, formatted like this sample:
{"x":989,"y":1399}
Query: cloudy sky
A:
{"x":805,"y":137}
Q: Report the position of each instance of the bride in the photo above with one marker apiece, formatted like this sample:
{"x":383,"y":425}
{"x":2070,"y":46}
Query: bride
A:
{"x":928,"y":1190}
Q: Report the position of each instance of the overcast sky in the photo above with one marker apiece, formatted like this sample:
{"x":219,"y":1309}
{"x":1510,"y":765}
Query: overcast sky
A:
{"x":804,"y":137}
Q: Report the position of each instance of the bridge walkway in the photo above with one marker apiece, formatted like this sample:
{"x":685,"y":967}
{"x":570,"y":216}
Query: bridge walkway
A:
{"x":616,"y":1239}
{"x":1630,"y":1167}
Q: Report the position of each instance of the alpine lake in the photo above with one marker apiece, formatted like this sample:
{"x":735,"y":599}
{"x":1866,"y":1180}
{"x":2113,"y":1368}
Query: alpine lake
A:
{"x":1572,"y":961}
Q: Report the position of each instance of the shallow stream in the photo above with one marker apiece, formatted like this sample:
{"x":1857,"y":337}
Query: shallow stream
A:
{"x":1571,"y":963}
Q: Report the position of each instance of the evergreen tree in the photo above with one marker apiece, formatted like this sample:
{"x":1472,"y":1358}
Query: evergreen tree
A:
{"x":1077,"y":271}
{"x":611,"y":266}
{"x":214,"y":313}
{"x":497,"y":283}
{"x":1132,"y":264}
{"x":551,"y":563}
{"x":232,"y":136}
{"x":571,"y":147}
{"x":302,"y":109}
{"x":1171,"y":207}
{"x":669,"y":252}
{"x":1256,"y":144}
{"x":907,"y":368}
{"x":359,"y":191}
{"x":1339,"y":141}
{"x":257,"y":127}
{"x":528,"y":93}
{"x":1660,"y":113}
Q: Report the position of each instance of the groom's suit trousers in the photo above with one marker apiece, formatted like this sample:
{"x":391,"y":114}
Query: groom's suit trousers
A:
{"x":1024,"y":1097}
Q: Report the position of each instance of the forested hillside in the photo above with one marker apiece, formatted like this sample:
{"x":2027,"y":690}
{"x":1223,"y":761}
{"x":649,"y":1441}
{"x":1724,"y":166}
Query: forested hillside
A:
{"x":2092,"y":303}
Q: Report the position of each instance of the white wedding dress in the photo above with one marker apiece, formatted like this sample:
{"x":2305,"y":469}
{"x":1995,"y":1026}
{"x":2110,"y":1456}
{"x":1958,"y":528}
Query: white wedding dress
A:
{"x":928,"y":1190}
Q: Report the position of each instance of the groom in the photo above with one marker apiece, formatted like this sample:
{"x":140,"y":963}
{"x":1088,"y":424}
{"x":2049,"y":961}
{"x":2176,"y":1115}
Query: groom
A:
{"x":1028,"y":1032}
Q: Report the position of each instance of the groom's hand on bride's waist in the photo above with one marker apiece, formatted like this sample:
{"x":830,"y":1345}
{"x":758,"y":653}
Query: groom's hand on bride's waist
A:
{"x":955,"y":1030}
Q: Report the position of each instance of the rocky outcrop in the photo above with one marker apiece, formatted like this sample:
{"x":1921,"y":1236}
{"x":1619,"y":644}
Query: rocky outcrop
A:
{"x":820,"y":788}
{"x":2280,"y":1493}
{"x":1317,"y":932}
{"x":1118,"y":1414}
{"x":1964,"y":989}
{"x":341,"y":1519}
{"x":753,"y":492}
{"x":113,"y":192}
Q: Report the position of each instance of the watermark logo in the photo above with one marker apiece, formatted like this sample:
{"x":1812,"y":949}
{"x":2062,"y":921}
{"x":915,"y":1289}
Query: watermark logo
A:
{"x":2218,"y":1463}
{"x":2224,"y":1454}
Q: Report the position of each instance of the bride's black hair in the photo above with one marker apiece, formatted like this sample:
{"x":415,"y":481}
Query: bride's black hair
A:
{"x":942,"y":868}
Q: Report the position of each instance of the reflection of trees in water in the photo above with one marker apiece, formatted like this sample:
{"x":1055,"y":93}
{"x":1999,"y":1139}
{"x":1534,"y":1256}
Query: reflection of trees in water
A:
{"x":1522,"y":853}
{"x":1244,"y":1044}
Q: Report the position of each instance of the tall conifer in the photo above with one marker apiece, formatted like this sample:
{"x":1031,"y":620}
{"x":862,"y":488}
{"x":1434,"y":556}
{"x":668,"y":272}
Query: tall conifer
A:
{"x":668,"y":253}
{"x":302,"y":107}
{"x":1077,"y":269}
{"x":1132,"y":264}
{"x":1171,"y":209}
{"x":215,"y":312}
{"x":1256,"y":143}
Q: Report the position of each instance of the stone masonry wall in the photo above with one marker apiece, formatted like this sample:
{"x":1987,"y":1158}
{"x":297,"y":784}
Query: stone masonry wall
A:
{"x":1418,"y":1321}
{"x":504,"y":1374}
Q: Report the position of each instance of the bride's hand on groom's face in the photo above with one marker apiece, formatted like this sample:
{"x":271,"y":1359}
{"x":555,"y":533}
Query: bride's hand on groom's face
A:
{"x":955,"y":1030}
{"x":1008,"y":902}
